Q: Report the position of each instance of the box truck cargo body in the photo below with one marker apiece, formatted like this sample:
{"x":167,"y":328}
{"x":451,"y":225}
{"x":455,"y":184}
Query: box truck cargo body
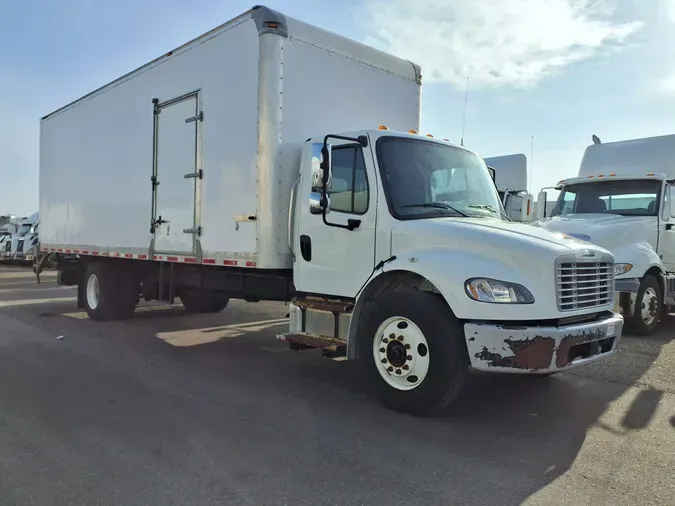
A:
{"x":271,"y":160}
{"x":227,"y":111}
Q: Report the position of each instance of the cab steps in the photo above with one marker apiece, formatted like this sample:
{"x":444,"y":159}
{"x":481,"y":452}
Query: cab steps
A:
{"x":335,"y":349}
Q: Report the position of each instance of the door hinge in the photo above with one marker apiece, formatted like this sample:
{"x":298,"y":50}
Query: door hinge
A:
{"x":199,"y":174}
{"x":199,"y":117}
{"x":197,"y":230}
{"x":154,"y":181}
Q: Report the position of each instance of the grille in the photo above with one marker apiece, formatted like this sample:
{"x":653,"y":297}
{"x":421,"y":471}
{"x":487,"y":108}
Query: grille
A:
{"x":19,"y":246}
{"x":582,"y":285}
{"x":8,"y":247}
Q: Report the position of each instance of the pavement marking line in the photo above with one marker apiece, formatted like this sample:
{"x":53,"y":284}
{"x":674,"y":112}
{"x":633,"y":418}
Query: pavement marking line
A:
{"x":195,"y":337}
{"x":45,"y":289}
{"x":25,"y":275}
{"x":28,"y":302}
{"x":82,"y":315}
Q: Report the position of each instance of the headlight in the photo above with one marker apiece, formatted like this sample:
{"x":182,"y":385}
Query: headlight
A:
{"x":620,"y":269}
{"x":492,"y":290}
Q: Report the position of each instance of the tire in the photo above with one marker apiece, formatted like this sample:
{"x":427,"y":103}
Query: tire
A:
{"x":433,"y":389}
{"x":116,"y":298}
{"x":648,"y":306}
{"x":203,"y":301}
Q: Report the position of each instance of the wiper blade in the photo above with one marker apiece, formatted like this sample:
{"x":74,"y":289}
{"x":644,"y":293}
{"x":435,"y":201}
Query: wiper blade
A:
{"x":490,"y":208}
{"x":439,"y":205}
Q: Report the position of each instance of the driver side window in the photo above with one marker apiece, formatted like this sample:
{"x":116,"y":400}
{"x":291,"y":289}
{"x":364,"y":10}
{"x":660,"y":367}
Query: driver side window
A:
{"x":349,"y":183}
{"x":669,"y":194}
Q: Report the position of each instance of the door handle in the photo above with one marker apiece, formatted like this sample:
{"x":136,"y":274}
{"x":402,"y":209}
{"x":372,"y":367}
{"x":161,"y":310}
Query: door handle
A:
{"x":669,"y":226}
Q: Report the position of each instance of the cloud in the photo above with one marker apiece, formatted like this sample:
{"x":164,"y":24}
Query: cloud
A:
{"x":666,"y":85}
{"x":494,"y":42}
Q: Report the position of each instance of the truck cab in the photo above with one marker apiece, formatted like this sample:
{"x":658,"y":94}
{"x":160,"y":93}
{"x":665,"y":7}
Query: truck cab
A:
{"x":401,"y":255}
{"x":23,"y":240}
{"x":621,"y":200}
{"x":510,"y":176}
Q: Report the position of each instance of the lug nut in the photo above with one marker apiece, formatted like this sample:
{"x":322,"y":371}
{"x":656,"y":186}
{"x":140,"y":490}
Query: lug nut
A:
{"x":407,"y":346}
{"x":392,"y":336}
{"x":384,"y":360}
{"x":385,"y":340}
{"x":382,"y":350}
{"x":409,"y":357}
{"x":406,"y":367}
{"x":390,"y":368}
{"x":400,"y":338}
{"x":398,"y":371}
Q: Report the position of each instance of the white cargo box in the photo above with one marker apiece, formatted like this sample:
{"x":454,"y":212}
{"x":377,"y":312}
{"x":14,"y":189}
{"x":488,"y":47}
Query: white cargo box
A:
{"x":219,"y":124}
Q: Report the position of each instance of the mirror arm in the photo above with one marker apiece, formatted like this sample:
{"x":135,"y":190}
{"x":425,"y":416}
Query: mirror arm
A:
{"x":362,"y":140}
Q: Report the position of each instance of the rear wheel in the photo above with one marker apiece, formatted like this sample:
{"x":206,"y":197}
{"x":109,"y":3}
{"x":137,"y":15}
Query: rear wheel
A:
{"x":412,"y":352}
{"x":203,"y":301}
{"x":648,"y":305}
{"x":110,"y":292}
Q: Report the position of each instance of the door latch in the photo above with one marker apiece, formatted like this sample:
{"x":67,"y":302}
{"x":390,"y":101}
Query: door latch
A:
{"x":155,"y":223}
{"x":199,"y":117}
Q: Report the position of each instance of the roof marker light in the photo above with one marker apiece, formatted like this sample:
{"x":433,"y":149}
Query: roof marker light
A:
{"x":383,"y":127}
{"x":412,"y":131}
{"x":429,"y":135}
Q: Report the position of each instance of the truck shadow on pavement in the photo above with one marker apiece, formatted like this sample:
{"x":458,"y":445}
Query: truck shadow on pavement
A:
{"x":518,"y":433}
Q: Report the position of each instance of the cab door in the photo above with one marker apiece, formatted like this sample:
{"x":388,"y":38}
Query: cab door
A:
{"x":333,"y":260}
{"x":666,"y":247}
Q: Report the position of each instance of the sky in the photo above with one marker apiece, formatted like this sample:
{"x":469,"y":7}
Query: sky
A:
{"x":543,"y":75}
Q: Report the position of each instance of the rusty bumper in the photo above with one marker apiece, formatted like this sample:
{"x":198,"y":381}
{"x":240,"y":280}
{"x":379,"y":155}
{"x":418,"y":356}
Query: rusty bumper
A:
{"x":537,"y":350}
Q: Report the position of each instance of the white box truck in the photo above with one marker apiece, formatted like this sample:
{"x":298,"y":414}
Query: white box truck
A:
{"x":510,"y":175}
{"x":621,"y":199}
{"x":255,"y":156}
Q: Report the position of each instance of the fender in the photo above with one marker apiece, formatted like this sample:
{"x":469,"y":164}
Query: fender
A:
{"x":447,"y":269}
{"x":641,"y":255}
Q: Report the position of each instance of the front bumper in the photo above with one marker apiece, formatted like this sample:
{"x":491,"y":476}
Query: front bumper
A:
{"x":538,"y":350}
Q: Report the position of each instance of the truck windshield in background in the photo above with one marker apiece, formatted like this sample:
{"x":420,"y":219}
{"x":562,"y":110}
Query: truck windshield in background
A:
{"x":623,"y":197}
{"x":424,"y":179}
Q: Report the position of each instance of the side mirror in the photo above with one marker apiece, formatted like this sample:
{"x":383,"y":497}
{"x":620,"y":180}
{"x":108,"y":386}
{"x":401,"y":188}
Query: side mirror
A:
{"x":671,"y":207}
{"x":317,"y":203}
{"x":540,"y":206}
{"x":321,"y":167}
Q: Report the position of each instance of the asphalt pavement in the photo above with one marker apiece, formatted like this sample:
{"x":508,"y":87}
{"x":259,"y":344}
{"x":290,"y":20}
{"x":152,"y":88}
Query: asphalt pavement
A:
{"x":176,"y":409}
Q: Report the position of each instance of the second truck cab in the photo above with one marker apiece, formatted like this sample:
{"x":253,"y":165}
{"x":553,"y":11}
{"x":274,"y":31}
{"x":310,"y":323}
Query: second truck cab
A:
{"x":622,"y":201}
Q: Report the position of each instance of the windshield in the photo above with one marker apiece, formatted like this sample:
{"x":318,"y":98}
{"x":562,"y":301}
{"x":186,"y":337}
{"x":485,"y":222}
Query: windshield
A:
{"x":25,"y":229}
{"x":426,"y":179}
{"x":626,"y":198}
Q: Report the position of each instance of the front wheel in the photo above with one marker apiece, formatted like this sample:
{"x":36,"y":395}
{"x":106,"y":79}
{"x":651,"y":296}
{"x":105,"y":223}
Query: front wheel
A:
{"x":412,"y":352}
{"x":648,"y":306}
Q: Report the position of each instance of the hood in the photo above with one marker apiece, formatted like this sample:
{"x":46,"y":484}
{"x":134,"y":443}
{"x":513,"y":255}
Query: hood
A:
{"x":595,"y":227}
{"x":481,"y":233}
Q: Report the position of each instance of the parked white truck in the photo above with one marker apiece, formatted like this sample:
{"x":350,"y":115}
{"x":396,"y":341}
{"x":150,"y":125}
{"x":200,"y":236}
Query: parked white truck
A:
{"x":247,"y":152}
{"x":25,"y":241}
{"x":510,"y":175}
{"x":622,"y":201}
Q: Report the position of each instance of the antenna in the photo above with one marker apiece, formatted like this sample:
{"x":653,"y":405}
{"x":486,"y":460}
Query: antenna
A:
{"x":529,"y":186}
{"x":466,"y":95}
